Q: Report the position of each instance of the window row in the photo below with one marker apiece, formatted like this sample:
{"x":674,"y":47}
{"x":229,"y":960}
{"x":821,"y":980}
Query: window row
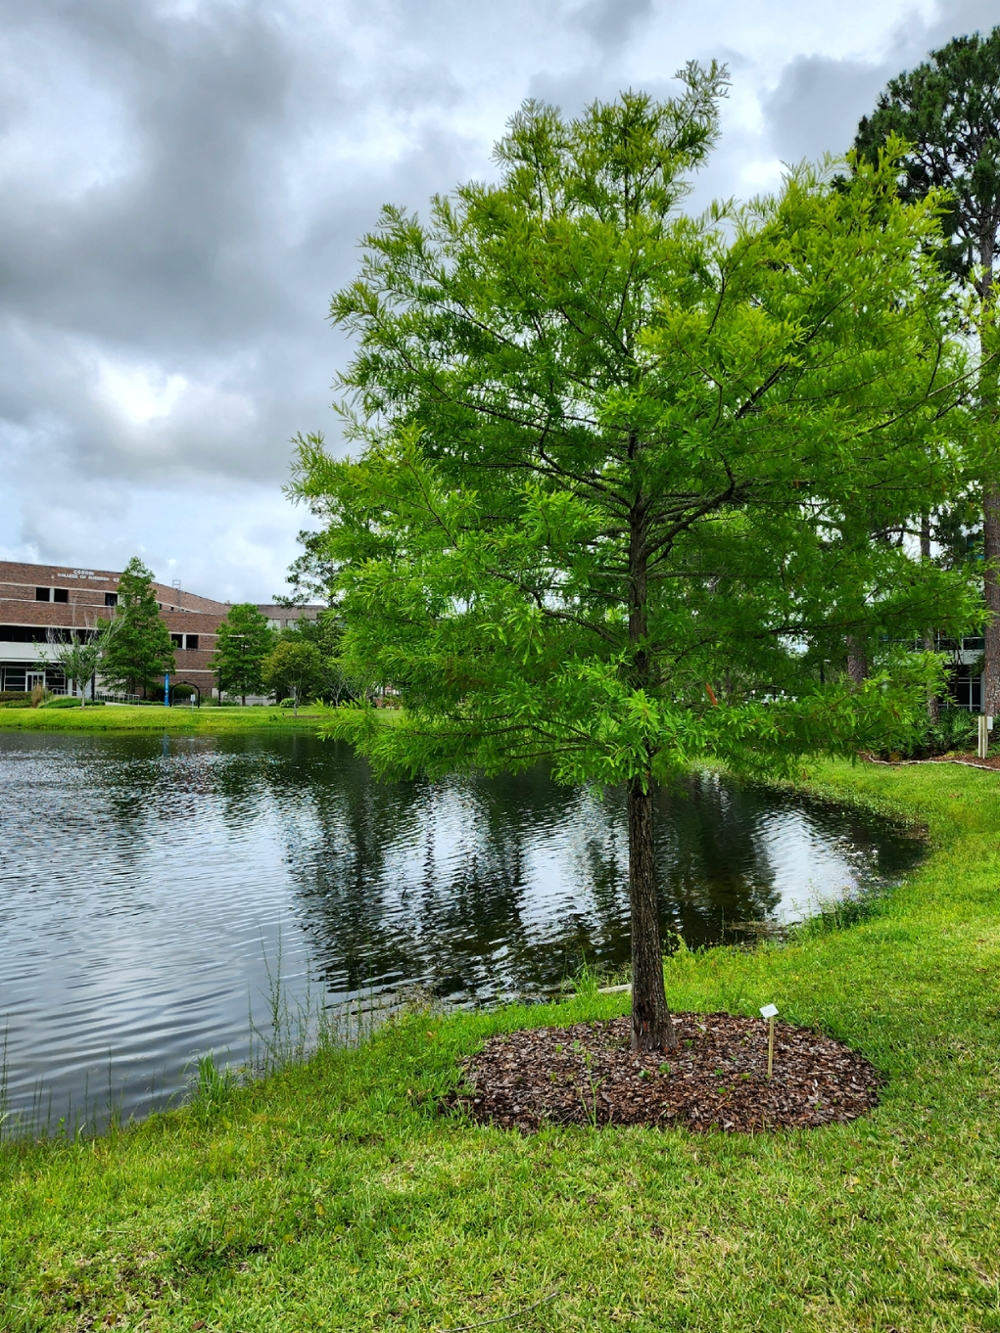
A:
{"x":62,"y":595}
{"x":41,"y":634}
{"x":188,"y":641}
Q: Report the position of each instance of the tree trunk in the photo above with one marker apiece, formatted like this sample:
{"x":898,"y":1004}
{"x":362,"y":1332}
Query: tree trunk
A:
{"x":933,"y":703}
{"x":991,"y":594}
{"x":991,"y":498}
{"x":857,"y":660}
{"x":652,"y":1028}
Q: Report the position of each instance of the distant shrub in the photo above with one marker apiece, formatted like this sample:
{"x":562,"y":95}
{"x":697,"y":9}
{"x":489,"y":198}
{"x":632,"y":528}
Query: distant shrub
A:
{"x":14,"y":696}
{"x":15,"y":703}
{"x":954,"y":730}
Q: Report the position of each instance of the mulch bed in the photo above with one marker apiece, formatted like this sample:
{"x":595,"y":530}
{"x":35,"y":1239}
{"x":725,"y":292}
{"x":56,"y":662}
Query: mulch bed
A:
{"x":967,"y":760}
{"x":716,"y":1079}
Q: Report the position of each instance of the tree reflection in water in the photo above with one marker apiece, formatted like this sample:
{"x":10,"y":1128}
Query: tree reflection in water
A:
{"x":147,"y":881}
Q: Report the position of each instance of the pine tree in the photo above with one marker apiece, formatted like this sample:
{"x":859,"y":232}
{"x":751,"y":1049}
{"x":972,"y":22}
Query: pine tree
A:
{"x":140,"y":650}
{"x":948,"y":112}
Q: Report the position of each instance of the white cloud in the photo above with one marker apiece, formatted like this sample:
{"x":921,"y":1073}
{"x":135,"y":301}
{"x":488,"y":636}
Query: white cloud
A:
{"x":138,"y":393}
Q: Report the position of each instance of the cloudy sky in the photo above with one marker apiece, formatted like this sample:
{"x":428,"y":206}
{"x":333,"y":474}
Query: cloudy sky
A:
{"x":184,"y":183}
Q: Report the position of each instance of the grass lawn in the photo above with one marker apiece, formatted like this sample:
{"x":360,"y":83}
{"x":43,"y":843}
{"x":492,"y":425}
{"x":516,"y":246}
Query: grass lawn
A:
{"x":152,"y":717}
{"x":332,"y":1196}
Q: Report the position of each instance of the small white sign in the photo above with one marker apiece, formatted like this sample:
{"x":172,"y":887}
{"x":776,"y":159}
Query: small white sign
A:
{"x":769,"y":1011}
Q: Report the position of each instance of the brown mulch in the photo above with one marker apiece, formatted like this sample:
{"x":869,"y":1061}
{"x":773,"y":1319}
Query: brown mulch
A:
{"x":967,"y":760}
{"x":716,"y":1079}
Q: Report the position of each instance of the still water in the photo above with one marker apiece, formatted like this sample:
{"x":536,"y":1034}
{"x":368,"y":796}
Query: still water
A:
{"x":148,"y":886}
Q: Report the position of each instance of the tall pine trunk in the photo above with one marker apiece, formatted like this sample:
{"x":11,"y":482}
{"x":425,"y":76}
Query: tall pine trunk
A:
{"x":991,"y":494}
{"x":991,"y":596}
{"x":933,"y":703}
{"x":857,"y":660}
{"x":652,"y":1028}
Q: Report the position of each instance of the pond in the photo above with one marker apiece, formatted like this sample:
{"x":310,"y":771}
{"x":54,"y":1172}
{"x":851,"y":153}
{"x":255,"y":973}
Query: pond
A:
{"x":152,"y":888}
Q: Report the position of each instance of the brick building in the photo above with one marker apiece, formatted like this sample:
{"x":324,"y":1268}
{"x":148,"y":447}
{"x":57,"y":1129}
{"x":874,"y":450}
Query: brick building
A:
{"x":35,"y":599}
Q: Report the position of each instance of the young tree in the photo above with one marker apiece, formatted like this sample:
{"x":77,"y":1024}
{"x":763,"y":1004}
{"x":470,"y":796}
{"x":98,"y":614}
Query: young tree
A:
{"x":294,"y":667}
{"x":80,"y":656}
{"x":244,"y":641}
{"x":325,"y":632}
{"x":948,"y":112}
{"x":139,"y":650}
{"x":619,"y":468}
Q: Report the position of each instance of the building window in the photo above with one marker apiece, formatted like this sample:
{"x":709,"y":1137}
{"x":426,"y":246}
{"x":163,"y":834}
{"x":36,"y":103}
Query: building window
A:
{"x":43,"y":594}
{"x":110,"y":599}
{"x":60,"y":594}
{"x":966,"y":690}
{"x":192,"y":641}
{"x":177,"y":640}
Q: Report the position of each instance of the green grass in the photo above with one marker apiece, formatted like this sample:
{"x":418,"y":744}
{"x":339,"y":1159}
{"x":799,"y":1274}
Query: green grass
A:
{"x":153,"y":717}
{"x":332,"y":1195}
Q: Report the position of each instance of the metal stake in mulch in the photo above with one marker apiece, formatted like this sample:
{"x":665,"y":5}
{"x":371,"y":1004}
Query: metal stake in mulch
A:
{"x":770,"y":1012}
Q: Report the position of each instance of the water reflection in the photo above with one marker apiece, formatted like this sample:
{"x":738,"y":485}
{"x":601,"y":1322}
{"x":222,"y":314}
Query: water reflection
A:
{"x":145,"y":881}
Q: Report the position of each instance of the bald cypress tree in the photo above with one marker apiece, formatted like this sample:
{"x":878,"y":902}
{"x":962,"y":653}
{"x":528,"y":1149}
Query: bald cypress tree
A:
{"x":617,"y":469}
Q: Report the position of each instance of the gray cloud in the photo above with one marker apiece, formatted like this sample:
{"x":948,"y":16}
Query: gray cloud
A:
{"x":817,"y":104}
{"x":184,"y":183}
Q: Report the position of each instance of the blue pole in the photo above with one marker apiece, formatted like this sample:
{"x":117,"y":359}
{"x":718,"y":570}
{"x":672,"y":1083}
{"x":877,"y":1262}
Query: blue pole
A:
{"x":166,"y":689}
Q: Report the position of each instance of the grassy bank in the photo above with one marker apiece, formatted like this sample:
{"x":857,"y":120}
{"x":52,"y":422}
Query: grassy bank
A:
{"x":332,"y":1196}
{"x":152,"y":717}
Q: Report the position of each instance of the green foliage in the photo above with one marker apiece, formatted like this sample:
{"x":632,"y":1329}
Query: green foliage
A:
{"x":294,"y":667}
{"x":335,"y":685}
{"x":947,"y":110}
{"x":138,"y":649}
{"x":244,"y":641}
{"x":954,"y":730}
{"x":311,"y":576}
{"x":619,"y":468}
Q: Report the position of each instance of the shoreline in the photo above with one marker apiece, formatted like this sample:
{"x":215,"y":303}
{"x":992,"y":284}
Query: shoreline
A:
{"x":178,"y":719}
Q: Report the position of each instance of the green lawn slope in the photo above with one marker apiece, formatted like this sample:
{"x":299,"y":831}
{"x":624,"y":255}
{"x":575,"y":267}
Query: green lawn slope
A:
{"x":332,"y":1195}
{"x":154,"y":717}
